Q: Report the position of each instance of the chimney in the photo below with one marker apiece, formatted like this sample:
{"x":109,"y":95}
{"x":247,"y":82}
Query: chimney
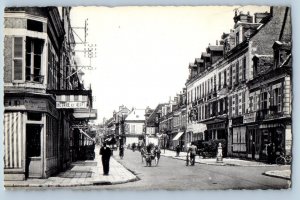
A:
{"x":245,"y":18}
{"x":259,"y":16}
{"x":217,"y":42}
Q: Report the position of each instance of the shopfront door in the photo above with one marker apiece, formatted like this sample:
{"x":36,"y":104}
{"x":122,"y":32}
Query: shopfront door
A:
{"x":33,"y":151}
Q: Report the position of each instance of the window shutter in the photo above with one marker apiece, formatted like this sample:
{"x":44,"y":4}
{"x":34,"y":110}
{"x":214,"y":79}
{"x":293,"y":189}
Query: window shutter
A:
{"x":18,"y":59}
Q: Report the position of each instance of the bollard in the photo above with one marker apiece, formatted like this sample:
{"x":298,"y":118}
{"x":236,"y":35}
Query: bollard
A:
{"x":220,"y":154}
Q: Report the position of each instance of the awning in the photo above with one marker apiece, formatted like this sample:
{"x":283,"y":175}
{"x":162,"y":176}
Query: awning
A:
{"x":178,"y":136}
{"x":84,"y":133}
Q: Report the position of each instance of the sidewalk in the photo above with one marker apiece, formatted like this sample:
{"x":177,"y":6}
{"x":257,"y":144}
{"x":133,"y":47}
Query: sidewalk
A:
{"x":212,"y":161}
{"x":284,"y":174}
{"x":82,"y":173}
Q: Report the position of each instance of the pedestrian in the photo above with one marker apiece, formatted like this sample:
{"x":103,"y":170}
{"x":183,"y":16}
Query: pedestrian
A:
{"x":193,"y":150}
{"x":157,"y":154}
{"x":177,"y":150}
{"x":121,"y":153}
{"x":269,"y":153}
{"x":105,"y":152}
{"x":143,"y":153}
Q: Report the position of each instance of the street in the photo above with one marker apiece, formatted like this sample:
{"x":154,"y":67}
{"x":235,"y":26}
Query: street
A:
{"x":172,"y":174}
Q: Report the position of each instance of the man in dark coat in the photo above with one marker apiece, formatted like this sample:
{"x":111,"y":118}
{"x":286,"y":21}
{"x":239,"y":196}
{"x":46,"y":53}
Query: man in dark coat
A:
{"x":106,"y":153}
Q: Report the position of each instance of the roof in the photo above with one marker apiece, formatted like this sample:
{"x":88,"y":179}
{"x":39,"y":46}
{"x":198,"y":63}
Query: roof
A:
{"x":192,"y":65}
{"x":151,"y":119}
{"x":198,"y":60}
{"x":136,"y":115}
{"x":204,"y":54}
{"x":215,"y":48}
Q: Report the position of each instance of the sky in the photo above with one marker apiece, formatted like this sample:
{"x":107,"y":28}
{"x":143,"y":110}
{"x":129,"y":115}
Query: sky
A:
{"x":143,"y":53}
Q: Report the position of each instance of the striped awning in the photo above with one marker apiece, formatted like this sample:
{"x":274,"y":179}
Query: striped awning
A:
{"x":85,"y":134}
{"x":178,"y":136}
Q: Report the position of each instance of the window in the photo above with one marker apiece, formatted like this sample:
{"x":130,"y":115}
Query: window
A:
{"x":225,"y":78}
{"x":200,"y":95}
{"x":277,"y":101}
{"x":18,"y":59}
{"x":215,"y":83}
{"x":263,"y":100}
{"x":34,"y":50}
{"x":237,"y":72}
{"x":244,"y":69}
{"x":236,"y":105}
{"x":132,"y":128}
{"x":237,"y":38}
{"x":251,"y":104}
{"x":230,"y":76}
{"x":211,"y":84}
{"x":230,"y":106}
{"x":243,"y":103}
{"x":34,"y":25}
{"x":219,"y":80}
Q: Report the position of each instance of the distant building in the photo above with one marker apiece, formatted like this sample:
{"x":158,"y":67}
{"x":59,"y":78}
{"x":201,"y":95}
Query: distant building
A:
{"x":134,"y":126}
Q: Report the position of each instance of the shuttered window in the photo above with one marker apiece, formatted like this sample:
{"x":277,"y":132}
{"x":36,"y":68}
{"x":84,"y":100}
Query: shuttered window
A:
{"x":18,"y":59}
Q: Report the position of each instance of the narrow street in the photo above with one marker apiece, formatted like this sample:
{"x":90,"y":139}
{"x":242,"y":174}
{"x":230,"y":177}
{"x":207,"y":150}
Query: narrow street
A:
{"x":199,"y":177}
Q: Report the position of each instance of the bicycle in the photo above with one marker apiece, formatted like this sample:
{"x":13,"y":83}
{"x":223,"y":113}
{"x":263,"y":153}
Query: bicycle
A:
{"x":283,"y":160}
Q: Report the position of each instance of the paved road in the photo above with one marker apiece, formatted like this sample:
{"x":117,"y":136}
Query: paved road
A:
{"x":173,"y":174}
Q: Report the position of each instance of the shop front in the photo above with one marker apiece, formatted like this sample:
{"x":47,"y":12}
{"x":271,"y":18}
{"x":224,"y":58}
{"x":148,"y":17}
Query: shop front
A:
{"x":278,"y":134}
{"x":30,"y":137}
{"x":217,"y":130}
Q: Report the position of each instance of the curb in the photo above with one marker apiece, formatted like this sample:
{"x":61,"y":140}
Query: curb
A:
{"x":221,"y":164}
{"x":275,"y":176}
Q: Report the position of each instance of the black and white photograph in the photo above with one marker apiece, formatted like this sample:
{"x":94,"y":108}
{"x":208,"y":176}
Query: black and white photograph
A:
{"x":147,"y":98}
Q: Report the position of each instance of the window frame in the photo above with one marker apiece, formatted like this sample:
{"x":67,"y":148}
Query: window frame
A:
{"x":18,"y":58}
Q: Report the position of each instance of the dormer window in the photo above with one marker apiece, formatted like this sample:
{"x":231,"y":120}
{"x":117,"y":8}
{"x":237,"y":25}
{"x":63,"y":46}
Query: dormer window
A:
{"x":237,"y":38}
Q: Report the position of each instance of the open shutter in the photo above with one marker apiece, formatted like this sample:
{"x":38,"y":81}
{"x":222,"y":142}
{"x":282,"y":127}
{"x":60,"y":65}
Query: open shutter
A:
{"x":18,"y":59}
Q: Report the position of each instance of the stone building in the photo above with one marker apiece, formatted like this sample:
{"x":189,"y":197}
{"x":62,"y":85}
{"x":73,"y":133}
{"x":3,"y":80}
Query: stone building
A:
{"x":220,"y":91}
{"x":36,"y":54}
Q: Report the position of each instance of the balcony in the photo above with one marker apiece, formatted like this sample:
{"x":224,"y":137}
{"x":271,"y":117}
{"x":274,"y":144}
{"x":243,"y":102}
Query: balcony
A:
{"x":261,"y":114}
{"x":35,"y":78}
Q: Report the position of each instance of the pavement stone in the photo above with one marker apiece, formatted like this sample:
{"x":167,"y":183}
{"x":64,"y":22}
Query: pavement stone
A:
{"x":82,"y":173}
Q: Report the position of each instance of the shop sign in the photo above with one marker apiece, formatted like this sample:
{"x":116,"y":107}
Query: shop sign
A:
{"x":35,"y":104}
{"x":71,"y":101}
{"x":249,"y":117}
{"x":237,"y":121}
{"x":215,"y":126}
{"x":71,"y":104}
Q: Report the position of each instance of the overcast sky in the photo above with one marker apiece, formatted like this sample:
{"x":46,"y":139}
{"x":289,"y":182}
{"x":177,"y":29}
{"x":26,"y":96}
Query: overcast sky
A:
{"x":143,"y":52}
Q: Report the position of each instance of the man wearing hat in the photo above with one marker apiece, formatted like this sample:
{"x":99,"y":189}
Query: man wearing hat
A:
{"x":106,"y":153}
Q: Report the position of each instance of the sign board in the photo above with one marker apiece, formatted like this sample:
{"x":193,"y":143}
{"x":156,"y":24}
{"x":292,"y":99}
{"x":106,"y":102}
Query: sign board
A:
{"x":71,"y":101}
{"x":71,"y":104}
{"x":85,"y":113}
{"x":249,"y":117}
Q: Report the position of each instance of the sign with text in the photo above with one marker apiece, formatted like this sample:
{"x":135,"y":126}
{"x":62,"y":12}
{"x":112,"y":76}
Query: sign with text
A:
{"x":249,"y":117}
{"x":71,"y":101}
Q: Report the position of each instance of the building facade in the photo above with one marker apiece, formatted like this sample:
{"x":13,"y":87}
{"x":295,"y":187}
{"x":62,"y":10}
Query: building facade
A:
{"x":221,"y":92}
{"x":36,"y":133}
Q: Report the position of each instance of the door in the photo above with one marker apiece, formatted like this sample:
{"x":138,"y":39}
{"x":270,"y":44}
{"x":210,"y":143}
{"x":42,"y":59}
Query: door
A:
{"x":33,"y":167}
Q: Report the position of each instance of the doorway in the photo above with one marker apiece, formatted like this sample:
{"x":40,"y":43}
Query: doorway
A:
{"x":33,"y":168}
